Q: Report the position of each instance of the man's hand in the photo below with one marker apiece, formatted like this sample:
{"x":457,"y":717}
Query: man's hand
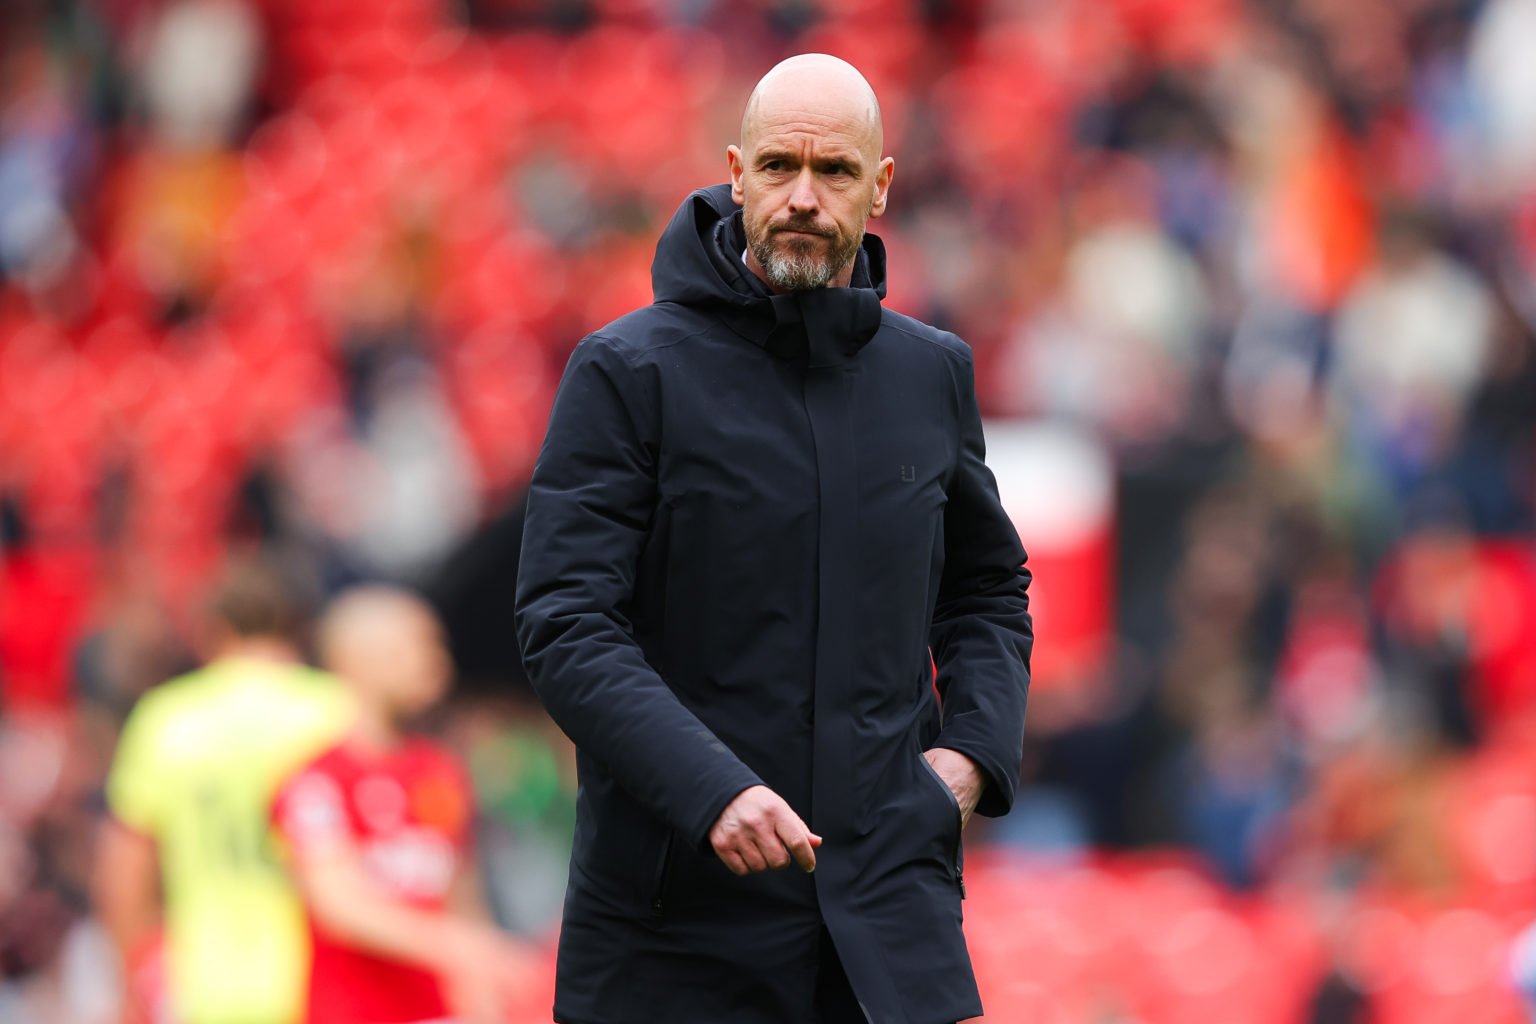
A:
{"x":962,"y":777}
{"x":758,"y":831}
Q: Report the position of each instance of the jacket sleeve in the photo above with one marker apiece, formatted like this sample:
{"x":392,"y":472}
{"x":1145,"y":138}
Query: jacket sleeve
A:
{"x":982,"y":635}
{"x":590,"y":507}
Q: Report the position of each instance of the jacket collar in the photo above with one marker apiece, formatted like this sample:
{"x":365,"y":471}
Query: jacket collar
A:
{"x":824,"y":326}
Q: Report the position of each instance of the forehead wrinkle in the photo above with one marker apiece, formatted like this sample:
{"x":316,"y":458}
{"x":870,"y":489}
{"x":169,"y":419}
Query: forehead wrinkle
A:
{"x":827,"y":133}
{"x":811,"y":120}
{"x":799,"y":134}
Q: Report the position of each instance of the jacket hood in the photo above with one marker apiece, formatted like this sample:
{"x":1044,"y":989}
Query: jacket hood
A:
{"x":698,"y":264}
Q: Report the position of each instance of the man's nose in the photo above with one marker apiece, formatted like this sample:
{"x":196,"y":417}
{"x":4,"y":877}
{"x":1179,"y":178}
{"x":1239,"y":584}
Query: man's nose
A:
{"x":802,"y":199}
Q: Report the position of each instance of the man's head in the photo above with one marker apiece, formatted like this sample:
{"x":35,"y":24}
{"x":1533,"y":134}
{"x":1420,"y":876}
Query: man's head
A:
{"x":249,"y":613}
{"x":388,"y":645}
{"x":809,"y":172}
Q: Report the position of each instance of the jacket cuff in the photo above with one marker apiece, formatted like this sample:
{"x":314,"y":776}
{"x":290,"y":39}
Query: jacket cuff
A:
{"x":997,"y":795}
{"x":710,"y":809}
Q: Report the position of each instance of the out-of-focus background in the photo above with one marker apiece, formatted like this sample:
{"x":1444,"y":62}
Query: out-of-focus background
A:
{"x":1250,"y":286}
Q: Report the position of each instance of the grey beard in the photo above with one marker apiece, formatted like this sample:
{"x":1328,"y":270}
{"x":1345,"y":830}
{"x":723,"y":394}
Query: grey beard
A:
{"x":799,"y":270}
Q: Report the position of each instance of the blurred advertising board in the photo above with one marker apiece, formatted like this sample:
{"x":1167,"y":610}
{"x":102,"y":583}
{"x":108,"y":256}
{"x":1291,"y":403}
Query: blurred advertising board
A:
{"x":1058,"y":485}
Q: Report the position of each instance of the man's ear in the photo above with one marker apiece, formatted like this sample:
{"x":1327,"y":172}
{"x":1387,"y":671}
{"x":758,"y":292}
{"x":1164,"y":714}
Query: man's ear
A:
{"x":734,"y":160}
{"x":883,"y":178}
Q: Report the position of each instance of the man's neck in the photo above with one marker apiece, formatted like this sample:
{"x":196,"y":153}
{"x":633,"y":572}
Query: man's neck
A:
{"x":258,"y":648}
{"x":374,"y":731}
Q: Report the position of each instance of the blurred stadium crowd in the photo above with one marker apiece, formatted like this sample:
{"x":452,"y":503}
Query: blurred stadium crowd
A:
{"x":298,"y":278}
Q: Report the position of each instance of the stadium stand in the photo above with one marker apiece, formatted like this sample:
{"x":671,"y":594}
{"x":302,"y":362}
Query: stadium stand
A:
{"x":1274,"y":260}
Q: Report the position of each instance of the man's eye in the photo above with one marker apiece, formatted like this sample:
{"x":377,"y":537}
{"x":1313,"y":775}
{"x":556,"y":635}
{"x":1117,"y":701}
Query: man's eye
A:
{"x":836,"y":169}
{"x":774,"y":165}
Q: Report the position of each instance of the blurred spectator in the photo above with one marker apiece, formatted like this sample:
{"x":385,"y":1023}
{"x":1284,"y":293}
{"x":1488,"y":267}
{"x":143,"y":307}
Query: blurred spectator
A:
{"x":416,"y":486}
{"x":47,"y":151}
{"x":1429,"y":616}
{"x":44,"y":592}
{"x":1522,"y":968}
{"x":1506,"y":85}
{"x":525,"y":775}
{"x":1411,"y":348}
{"x":197,"y":64}
{"x":1120,"y":350}
{"x":1232,"y":785}
{"x":1337,"y":1001}
{"x":55,"y":961}
{"x":135,"y":647}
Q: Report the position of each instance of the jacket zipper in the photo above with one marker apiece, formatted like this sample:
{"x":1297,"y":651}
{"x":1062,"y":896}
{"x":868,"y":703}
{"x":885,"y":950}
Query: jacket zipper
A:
{"x":659,"y":888}
{"x":958,"y":856}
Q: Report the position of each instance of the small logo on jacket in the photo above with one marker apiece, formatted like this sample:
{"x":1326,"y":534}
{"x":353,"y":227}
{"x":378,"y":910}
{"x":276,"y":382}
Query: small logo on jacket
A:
{"x":909,"y":474}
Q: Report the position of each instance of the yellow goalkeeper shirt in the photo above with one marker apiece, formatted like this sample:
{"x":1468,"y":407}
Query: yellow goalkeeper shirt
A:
{"x":199,"y":762}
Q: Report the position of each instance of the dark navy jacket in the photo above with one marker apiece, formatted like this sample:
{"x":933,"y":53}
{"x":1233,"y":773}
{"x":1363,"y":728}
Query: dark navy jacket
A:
{"x":752,"y":519}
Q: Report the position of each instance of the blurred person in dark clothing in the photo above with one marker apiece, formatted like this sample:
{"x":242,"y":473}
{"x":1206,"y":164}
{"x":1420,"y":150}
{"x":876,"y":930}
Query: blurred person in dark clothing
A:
{"x":760,"y":520}
{"x":188,"y":847}
{"x":1338,"y":1000}
{"x":378,"y":831}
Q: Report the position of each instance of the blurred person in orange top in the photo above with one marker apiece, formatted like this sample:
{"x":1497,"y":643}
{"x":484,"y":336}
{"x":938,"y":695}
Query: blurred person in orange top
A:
{"x":378,"y":834}
{"x":189,"y":842}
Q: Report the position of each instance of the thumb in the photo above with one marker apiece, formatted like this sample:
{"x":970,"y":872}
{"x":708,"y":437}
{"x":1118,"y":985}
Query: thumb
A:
{"x":801,"y":843}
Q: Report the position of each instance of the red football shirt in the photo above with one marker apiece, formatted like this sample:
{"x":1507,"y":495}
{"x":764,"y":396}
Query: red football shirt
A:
{"x":408,"y":812}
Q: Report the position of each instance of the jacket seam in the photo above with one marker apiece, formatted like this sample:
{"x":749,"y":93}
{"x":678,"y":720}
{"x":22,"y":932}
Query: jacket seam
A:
{"x":616,"y":344}
{"x":963,"y":355}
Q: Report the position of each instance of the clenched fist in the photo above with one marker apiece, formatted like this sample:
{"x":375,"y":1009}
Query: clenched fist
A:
{"x":758,"y":831}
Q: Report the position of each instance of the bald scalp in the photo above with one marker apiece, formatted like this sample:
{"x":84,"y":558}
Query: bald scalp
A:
{"x":817,"y":86}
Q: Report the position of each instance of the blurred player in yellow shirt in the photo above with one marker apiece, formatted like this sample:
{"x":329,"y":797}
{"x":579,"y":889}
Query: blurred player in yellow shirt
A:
{"x":189,"y":846}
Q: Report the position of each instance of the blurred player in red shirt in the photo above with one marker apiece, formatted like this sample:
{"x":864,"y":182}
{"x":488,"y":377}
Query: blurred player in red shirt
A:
{"x":378,"y":833}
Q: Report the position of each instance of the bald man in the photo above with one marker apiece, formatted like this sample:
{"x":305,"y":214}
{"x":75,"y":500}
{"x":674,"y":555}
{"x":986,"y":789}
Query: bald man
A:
{"x":769,"y":591}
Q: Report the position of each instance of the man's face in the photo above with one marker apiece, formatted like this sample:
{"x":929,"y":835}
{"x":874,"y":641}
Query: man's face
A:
{"x":807,"y":185}
{"x":420,"y":666}
{"x":399,"y":660}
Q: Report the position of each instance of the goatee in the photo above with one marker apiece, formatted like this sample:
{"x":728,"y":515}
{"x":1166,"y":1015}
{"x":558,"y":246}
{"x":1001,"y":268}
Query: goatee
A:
{"x":797,"y":266}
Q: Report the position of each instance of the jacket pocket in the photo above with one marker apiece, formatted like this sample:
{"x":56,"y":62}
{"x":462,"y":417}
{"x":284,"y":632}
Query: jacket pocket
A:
{"x":661,"y":879}
{"x":956,"y":848}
